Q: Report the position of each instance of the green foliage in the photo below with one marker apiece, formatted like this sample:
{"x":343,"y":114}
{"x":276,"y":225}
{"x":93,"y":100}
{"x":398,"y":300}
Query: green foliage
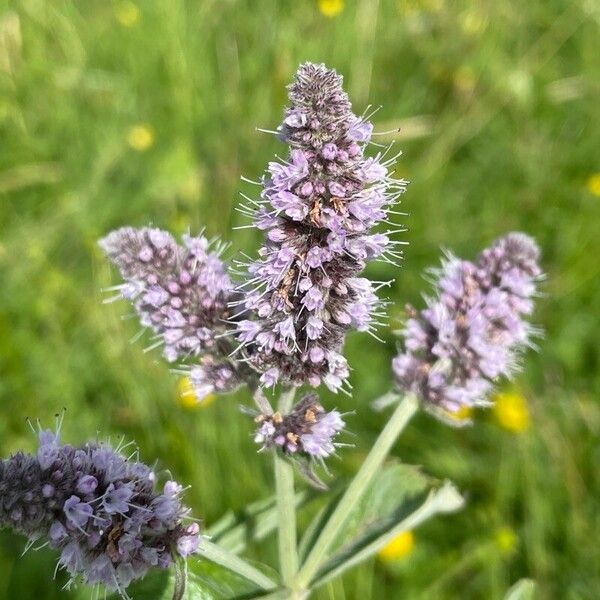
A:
{"x":399,"y":498}
{"x":524,"y":589}
{"x":204,"y":581}
{"x":234,"y":531}
{"x":497,"y":107}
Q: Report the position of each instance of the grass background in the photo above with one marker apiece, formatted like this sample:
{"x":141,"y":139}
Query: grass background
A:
{"x":497,"y":102}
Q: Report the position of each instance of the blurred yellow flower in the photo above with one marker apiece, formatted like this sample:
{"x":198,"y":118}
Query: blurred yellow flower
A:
{"x":506,"y":540}
{"x":464,"y":413}
{"x":401,"y":546}
{"x":186,"y":397}
{"x":511,"y":411}
{"x":140,"y":137}
{"x":331,"y":8}
{"x":593,"y":184}
{"x":127,"y":14}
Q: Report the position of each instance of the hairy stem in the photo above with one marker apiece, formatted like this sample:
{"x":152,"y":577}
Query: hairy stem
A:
{"x":234,"y":563}
{"x":286,"y":507}
{"x":180,"y":578}
{"x":401,"y":416}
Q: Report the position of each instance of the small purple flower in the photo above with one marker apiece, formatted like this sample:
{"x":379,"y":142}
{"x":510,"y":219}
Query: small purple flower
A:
{"x":116,"y":500}
{"x":214,"y":377}
{"x":77,"y":512}
{"x":48,"y":451}
{"x":473,"y":331}
{"x":87,"y":484}
{"x":188,"y":544}
{"x":269,"y":378}
{"x":313,"y":299}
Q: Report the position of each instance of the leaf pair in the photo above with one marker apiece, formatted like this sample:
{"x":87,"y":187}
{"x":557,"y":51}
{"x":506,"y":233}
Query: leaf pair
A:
{"x":400,"y":498}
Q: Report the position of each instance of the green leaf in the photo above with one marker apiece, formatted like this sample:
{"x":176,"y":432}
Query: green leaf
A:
{"x":235,"y":530}
{"x":524,"y":589}
{"x":397,"y":483}
{"x":205,"y":581}
{"x":399,"y":498}
{"x":220,"y":556}
{"x":217,"y":583}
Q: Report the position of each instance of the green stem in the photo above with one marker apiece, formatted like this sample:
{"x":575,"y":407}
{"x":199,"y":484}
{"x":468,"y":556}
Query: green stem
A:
{"x":401,"y":416}
{"x":286,"y":505}
{"x":234,"y":563}
{"x":180,"y":578}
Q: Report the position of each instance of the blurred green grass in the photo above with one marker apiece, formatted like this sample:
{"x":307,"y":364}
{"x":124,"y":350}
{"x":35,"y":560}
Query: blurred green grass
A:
{"x":497,"y":105}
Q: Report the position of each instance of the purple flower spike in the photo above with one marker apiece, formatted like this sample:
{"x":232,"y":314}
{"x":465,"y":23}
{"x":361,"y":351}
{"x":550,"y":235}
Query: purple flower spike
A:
{"x":474,"y":330}
{"x":181,"y":292}
{"x":318,"y":209}
{"x":308,"y":430}
{"x":98,"y":508}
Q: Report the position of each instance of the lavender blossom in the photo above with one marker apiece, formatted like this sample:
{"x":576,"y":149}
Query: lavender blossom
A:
{"x":318,"y":209}
{"x":99,"y":509}
{"x":307,"y":430}
{"x":474,"y":330}
{"x":181,"y":292}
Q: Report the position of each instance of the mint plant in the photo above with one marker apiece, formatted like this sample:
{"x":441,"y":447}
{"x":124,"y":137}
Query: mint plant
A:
{"x":277,"y":324}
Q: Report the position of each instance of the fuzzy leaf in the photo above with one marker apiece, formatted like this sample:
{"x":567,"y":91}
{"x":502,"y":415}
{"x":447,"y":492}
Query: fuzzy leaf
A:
{"x":524,"y":589}
{"x":234,"y":531}
{"x":221,"y":583}
{"x":400,"y":498}
{"x":205,"y":581}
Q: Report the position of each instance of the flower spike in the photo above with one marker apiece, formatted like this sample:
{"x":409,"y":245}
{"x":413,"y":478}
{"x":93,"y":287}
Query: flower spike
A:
{"x":102,"y":511}
{"x":318,"y":210}
{"x":473,"y":331}
{"x":182,"y":292}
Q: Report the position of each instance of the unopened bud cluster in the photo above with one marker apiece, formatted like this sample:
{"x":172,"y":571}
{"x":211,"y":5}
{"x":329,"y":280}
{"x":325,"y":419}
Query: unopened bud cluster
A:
{"x":307,"y":430}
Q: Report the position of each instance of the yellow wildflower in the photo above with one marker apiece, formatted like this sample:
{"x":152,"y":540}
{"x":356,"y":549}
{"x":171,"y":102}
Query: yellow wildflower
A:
{"x":331,"y":8}
{"x":511,"y":411}
{"x":127,"y":14}
{"x":506,"y":540}
{"x":593,"y":184}
{"x":400,"y":547}
{"x":140,"y":137}
{"x":463,"y":414}
{"x":186,"y":397}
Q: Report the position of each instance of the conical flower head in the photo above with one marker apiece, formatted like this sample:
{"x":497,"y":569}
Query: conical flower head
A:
{"x":101,"y":510}
{"x":474,"y":329}
{"x":182,"y":292}
{"x":179,"y":291}
{"x":318,"y":209}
